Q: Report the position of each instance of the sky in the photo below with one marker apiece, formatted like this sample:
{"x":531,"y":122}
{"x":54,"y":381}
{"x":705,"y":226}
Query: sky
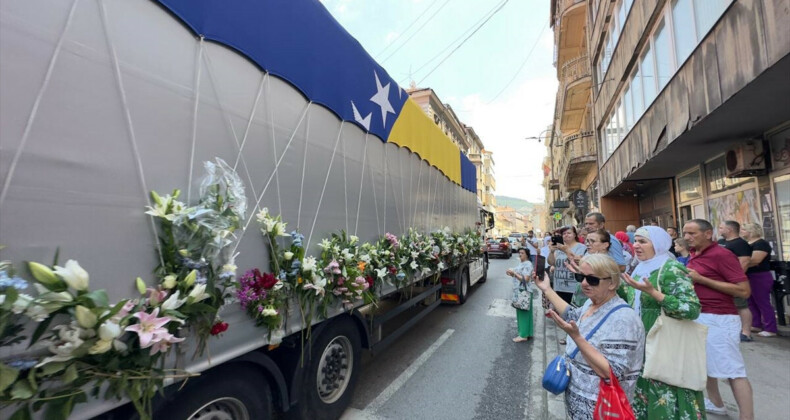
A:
{"x":501,"y":81}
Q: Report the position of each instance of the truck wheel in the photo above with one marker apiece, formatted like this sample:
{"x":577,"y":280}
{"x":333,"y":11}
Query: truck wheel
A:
{"x":463,"y":286}
{"x":331,"y":373}
{"x":235,"y":393}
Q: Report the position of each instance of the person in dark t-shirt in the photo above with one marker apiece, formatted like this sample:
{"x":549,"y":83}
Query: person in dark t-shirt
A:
{"x":730,"y":232}
{"x":761,"y":281}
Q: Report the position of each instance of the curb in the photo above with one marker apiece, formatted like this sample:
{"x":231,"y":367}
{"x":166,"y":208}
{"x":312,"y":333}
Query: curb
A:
{"x":542,"y":404}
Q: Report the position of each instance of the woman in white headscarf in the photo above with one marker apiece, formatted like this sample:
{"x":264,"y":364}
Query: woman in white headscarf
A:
{"x":660,"y":282}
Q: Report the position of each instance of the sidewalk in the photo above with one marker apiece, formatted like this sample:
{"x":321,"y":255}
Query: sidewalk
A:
{"x":767,"y":364}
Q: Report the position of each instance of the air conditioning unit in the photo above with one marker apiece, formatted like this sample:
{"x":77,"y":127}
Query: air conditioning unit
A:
{"x":746,"y":159}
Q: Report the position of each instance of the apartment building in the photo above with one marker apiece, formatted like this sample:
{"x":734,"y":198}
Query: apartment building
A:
{"x":691,"y":110}
{"x":572,"y":145}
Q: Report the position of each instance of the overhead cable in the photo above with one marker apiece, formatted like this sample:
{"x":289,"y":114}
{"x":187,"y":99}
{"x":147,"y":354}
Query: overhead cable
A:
{"x":464,"y":41}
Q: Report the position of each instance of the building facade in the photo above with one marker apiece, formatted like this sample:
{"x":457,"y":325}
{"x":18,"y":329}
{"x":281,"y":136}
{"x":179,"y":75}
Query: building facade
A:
{"x":465,"y":138}
{"x":489,"y":181}
{"x":690,"y":105}
{"x":572,"y":147}
{"x":442,"y":114}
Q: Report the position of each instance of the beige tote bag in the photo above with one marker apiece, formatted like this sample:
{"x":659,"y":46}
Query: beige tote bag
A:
{"x":675,"y":351}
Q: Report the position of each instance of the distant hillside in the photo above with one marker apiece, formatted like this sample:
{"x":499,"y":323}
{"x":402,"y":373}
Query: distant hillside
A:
{"x":522,"y":206}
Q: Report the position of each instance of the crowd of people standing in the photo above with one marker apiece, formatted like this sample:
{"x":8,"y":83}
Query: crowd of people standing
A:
{"x":724,"y":285}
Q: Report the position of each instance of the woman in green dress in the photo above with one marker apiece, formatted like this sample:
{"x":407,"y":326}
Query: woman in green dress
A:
{"x":521,"y":275}
{"x":655,"y":399}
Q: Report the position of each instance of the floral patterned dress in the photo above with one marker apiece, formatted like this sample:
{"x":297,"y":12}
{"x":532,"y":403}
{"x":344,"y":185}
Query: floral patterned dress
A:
{"x":655,"y":399}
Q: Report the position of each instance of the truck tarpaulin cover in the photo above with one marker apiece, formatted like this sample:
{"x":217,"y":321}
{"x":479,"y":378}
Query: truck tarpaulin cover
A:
{"x":299,"y":41}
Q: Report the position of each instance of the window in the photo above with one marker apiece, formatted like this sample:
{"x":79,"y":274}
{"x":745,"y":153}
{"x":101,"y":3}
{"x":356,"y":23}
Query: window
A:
{"x":621,"y":121}
{"x":716,"y":174}
{"x":706,"y":13}
{"x":629,"y":109}
{"x":689,"y":186}
{"x":636,"y":92}
{"x":665,"y":63}
{"x":648,"y":77}
{"x":782,"y":188}
{"x":683,"y":24}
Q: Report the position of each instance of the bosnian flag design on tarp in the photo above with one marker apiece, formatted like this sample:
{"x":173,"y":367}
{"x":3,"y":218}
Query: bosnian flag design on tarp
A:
{"x":300,"y":42}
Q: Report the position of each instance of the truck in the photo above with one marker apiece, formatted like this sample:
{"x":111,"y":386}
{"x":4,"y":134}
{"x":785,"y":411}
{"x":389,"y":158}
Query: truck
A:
{"x":103,"y":102}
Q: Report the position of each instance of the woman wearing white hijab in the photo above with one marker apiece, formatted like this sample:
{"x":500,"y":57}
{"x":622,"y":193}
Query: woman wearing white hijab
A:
{"x":656,"y":399}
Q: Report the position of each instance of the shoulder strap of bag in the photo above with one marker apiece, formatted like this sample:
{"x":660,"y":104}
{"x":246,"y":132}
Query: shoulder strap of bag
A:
{"x":572,"y":355}
{"x":658,"y":283}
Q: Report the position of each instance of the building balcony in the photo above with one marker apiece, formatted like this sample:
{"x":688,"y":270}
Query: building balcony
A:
{"x":569,"y":20}
{"x":573,"y":96}
{"x":581,"y":157}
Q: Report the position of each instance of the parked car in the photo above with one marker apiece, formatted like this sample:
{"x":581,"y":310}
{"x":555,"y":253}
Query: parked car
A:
{"x":499,"y":247}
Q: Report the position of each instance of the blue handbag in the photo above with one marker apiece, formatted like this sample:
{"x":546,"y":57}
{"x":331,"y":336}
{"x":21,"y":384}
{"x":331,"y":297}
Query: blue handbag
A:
{"x":558,"y":374}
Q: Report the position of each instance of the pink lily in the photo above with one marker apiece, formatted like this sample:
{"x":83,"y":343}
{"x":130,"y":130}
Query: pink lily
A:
{"x":150,"y":328}
{"x":164,"y":342}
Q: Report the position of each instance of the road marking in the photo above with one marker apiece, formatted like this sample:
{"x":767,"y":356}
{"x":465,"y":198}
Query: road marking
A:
{"x":501,"y":308}
{"x":388,"y":392}
{"x":354,"y":414}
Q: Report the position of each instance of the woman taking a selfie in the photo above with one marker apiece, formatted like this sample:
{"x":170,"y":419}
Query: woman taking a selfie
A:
{"x":619,"y":343}
{"x":521,"y":275}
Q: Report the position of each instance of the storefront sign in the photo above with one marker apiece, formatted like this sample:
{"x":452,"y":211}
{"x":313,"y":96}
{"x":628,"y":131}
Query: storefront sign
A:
{"x":579,"y":199}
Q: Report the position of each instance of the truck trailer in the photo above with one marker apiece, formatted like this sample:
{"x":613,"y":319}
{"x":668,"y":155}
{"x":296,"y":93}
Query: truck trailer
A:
{"x":104,"y":101}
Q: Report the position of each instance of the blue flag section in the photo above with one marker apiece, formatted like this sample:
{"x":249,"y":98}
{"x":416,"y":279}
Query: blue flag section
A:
{"x":468,"y":174}
{"x":299,"y":41}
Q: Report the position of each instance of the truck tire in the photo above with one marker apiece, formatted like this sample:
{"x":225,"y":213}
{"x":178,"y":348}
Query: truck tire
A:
{"x":463,"y":285}
{"x":235,"y":393}
{"x":331,"y":374}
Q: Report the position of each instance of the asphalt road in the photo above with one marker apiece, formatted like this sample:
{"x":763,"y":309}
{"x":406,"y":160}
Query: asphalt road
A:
{"x":457,"y":363}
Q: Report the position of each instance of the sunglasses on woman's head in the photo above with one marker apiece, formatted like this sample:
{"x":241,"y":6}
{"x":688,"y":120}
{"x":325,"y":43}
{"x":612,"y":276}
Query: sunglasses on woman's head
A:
{"x":591,"y":280}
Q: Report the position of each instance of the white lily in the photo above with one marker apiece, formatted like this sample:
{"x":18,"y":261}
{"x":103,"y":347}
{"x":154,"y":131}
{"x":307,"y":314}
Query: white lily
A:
{"x":109,"y":330}
{"x":262,"y":215}
{"x":269,"y":311}
{"x":101,"y":346}
{"x":37,"y":313}
{"x":74,"y":275}
{"x":173,"y":302}
{"x":169,"y":281}
{"x":309,"y":264}
{"x":21,"y":303}
{"x":413,"y":265}
{"x":353,"y":239}
{"x":318,"y":284}
{"x":198,"y":293}
{"x":85,"y":317}
{"x":381,"y":272}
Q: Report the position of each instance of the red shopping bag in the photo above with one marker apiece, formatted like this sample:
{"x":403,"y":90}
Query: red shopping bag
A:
{"x":612,"y":402}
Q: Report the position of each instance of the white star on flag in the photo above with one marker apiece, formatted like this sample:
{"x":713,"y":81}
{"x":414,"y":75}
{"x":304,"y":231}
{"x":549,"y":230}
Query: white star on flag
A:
{"x":358,"y":117}
{"x":381,"y":98}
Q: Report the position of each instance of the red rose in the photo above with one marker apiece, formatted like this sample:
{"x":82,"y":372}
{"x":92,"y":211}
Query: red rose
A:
{"x":393,"y":270}
{"x":219,"y":327}
{"x":267,"y":281}
{"x":369,"y":279}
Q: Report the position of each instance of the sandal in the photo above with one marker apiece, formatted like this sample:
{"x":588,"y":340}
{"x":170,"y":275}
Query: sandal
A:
{"x":521,"y":339}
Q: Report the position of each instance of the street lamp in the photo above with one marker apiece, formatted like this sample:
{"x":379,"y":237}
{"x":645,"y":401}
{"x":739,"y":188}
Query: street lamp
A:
{"x":538,"y":137}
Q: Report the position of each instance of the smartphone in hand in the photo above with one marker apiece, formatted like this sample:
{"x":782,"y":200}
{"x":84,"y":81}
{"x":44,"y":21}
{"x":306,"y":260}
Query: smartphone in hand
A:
{"x":539,"y":264}
{"x":557,"y":239}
